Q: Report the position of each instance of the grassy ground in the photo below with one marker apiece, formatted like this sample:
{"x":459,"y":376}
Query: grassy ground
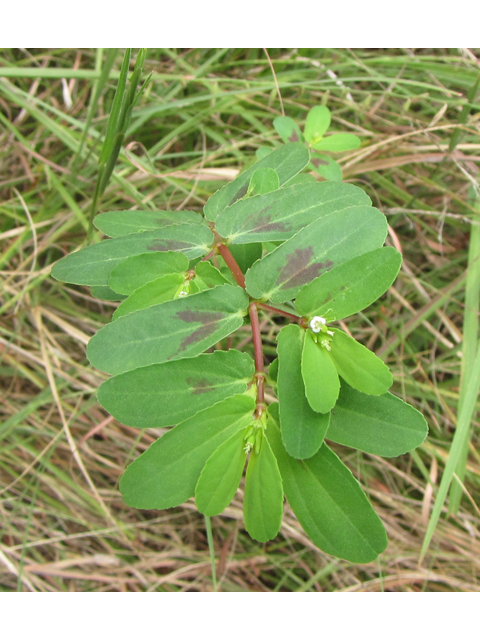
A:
{"x":64,"y":526}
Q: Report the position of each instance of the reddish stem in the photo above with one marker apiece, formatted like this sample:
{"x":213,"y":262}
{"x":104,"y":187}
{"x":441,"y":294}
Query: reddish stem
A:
{"x":280,"y":312}
{"x":258,"y":354}
{"x":255,"y":324}
{"x":226,"y":254}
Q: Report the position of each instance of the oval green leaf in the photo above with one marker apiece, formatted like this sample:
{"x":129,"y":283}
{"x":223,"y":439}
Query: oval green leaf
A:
{"x":166,"y":474}
{"x":280,"y":214}
{"x":171,"y":330}
{"x":263,"y":180}
{"x":350,"y":287}
{"x":207,"y":276}
{"x":134,"y":272}
{"x":329,"y":503}
{"x":246,"y":254}
{"x":303,"y":429}
{"x":326,"y":167}
{"x":338,"y":142}
{"x":320,"y":376}
{"x":359,"y":366}
{"x":322,"y":245}
{"x":263,"y":502}
{"x":152,"y":293}
{"x":287,"y":129}
{"x":318,"y":121}
{"x":221,"y":476}
{"x":121,"y":223}
{"x":93,"y":265}
{"x":381,"y":425}
{"x":162,"y":395}
{"x":103,"y":292}
{"x":287,"y":161}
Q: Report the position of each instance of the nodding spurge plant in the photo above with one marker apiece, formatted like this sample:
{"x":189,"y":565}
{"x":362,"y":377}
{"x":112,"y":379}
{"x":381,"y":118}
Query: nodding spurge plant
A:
{"x":309,"y":252}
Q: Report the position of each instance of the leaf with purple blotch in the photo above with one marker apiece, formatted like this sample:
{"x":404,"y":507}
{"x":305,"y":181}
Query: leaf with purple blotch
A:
{"x":317,"y":248}
{"x":287,"y":129}
{"x":350,"y":287}
{"x":93,"y":265}
{"x":327,"y":167}
{"x":121,"y":223}
{"x":180,"y":328}
{"x":280,"y":214}
{"x":160,"y":395}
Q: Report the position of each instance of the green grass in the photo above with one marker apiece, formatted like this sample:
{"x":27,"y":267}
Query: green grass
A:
{"x":198,"y":121}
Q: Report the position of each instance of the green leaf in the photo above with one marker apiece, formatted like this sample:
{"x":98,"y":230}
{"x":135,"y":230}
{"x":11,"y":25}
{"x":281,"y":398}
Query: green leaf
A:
{"x":303,"y":429}
{"x":329,"y":503}
{"x":359,"y":366}
{"x":280,"y":214}
{"x":338,"y":142}
{"x":326,"y":167}
{"x":350,"y":287}
{"x":320,"y":377}
{"x":322,"y":245}
{"x":93,"y":265}
{"x":167,"y":473}
{"x":207,"y":276}
{"x":263,"y":502}
{"x":381,"y":425}
{"x":287,"y":161}
{"x":317,"y":122}
{"x":171,"y":330}
{"x":152,"y":293}
{"x":134,"y":272}
{"x":273,"y":370}
{"x":121,"y":223}
{"x":160,"y":395}
{"x":102,"y":292}
{"x":287,"y":129}
{"x":263,"y":180}
{"x":246,"y":254}
{"x":301,"y":178}
{"x":221,"y":476}
{"x":263,"y":152}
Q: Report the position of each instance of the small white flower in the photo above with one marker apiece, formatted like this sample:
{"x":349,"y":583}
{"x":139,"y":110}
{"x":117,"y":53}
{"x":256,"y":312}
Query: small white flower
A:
{"x":316,"y":324}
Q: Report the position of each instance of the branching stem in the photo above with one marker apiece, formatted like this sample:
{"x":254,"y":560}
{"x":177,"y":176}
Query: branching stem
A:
{"x":279,"y":312}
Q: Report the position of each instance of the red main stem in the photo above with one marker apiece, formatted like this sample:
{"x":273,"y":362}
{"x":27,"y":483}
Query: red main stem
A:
{"x":226,"y":254}
{"x":255,"y":324}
